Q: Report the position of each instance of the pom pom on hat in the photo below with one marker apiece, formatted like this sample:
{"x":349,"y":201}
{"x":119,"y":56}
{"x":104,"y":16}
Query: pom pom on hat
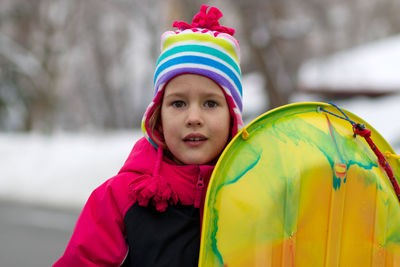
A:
{"x":203,"y":47}
{"x":206,"y":20}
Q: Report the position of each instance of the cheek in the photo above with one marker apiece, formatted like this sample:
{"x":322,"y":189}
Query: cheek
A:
{"x":167,"y":126}
{"x":223,"y":126}
{"x":164,"y":117}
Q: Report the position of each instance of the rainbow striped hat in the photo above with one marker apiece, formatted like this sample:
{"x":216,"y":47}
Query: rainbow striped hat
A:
{"x":205,"y":48}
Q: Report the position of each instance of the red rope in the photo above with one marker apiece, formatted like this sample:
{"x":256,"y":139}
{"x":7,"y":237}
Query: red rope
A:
{"x":359,"y":129}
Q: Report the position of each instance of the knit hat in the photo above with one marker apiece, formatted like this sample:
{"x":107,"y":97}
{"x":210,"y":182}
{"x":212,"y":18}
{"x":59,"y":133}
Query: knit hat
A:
{"x":205,"y":48}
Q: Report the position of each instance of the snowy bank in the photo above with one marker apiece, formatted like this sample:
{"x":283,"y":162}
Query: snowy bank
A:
{"x":63,"y":169}
{"x":372,"y":68}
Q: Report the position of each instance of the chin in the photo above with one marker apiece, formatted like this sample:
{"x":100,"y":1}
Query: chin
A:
{"x":206,"y":161}
{"x":194,"y":162}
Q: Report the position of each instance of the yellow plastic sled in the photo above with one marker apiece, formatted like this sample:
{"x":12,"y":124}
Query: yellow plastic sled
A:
{"x":297,"y":188}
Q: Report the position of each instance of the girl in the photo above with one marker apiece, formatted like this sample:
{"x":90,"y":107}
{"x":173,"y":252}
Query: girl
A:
{"x":150,"y":213}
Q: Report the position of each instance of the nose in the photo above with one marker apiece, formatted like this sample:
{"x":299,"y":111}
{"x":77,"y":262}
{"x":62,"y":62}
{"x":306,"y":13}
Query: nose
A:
{"x":194,"y":117}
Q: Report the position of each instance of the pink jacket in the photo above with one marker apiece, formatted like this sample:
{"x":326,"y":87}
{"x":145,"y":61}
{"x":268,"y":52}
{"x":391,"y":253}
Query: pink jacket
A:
{"x":99,"y":237}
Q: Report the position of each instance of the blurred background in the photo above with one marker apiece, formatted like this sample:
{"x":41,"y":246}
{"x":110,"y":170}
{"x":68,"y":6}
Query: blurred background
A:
{"x":76,"y":77}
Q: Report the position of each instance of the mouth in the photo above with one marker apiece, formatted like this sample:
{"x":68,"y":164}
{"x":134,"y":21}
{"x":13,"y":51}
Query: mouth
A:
{"x":194,"y":139}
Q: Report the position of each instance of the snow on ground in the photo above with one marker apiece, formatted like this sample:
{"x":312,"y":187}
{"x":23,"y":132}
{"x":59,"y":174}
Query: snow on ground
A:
{"x":369,"y":67}
{"x":60,"y":170}
{"x":63,"y":169}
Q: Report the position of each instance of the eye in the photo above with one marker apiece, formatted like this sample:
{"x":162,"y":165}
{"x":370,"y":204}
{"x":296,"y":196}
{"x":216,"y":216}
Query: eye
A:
{"x":178,"y":104}
{"x":210,"y":104}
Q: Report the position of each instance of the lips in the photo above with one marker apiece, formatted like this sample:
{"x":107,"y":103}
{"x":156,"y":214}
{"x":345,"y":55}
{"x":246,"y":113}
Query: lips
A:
{"x":194,"y":139}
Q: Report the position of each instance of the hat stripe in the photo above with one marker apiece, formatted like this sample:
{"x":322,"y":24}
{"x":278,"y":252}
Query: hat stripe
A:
{"x":203,"y":52}
{"x":206,"y":62}
{"x":204,"y":38}
{"x":196,"y":54}
{"x":192,"y":48}
{"x":216,"y":75}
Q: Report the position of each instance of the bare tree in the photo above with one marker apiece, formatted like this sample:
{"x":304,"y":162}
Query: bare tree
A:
{"x":73,"y":64}
{"x":282,"y":34}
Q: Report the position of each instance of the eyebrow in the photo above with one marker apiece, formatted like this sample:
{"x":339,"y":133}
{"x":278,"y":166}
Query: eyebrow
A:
{"x":206,"y":95}
{"x":216,"y":96}
{"x":174,"y":95}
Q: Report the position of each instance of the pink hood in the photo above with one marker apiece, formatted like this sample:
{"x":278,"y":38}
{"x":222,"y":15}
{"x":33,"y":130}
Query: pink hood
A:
{"x":99,"y":234}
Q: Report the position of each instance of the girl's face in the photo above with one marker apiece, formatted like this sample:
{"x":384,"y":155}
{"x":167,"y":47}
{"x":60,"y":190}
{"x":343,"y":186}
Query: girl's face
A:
{"x":195,"y":119}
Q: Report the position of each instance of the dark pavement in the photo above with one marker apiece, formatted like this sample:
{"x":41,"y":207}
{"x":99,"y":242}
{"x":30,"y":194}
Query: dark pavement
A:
{"x":33,"y":236}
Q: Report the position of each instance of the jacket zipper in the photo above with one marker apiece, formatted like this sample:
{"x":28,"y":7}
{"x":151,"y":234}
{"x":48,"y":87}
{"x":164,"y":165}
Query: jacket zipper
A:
{"x":199,"y":191}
